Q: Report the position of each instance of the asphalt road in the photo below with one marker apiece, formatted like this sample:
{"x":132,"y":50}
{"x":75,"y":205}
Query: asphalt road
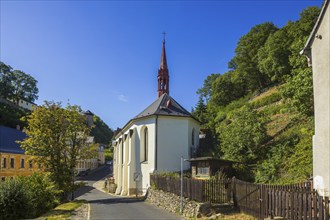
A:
{"x":106,"y":206}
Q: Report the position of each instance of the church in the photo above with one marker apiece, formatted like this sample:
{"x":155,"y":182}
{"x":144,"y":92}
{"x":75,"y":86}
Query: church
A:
{"x":154,"y":140}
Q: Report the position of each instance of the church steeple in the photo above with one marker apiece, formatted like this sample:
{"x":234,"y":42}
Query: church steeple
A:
{"x":163,"y":77}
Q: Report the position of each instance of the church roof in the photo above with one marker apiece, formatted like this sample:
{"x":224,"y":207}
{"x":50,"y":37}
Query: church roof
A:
{"x":164,"y":105}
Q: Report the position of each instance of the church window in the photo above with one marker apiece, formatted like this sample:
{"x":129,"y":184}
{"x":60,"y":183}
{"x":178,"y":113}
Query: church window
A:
{"x":144,"y":150}
{"x":193,"y":136}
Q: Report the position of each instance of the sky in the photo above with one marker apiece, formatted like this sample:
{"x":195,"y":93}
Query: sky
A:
{"x":104,"y":55}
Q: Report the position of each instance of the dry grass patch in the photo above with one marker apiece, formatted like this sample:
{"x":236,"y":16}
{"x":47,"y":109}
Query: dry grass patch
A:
{"x":63,"y":211}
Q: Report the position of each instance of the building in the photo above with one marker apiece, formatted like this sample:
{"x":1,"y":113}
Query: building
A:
{"x":317,"y":50}
{"x":206,"y":167}
{"x":27,"y":105}
{"x":154,"y":140}
{"x":13,"y":160}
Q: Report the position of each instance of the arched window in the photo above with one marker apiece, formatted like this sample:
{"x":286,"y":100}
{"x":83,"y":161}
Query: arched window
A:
{"x":145,"y":133}
{"x":193,"y":136}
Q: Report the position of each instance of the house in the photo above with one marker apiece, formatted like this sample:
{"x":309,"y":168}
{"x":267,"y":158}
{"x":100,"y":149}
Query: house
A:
{"x":14,"y":162}
{"x":98,"y":159}
{"x":154,"y":140}
{"x":317,"y":50}
{"x":205,"y":167}
{"x":27,"y":105}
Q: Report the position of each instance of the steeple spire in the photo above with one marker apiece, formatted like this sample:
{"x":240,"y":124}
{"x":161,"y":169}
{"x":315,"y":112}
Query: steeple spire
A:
{"x":163,"y":77}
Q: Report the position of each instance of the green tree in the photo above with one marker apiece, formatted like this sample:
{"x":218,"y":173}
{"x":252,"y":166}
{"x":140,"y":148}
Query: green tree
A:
{"x":206,"y":91}
{"x":200,"y":112}
{"x":273,"y":57}
{"x":58,"y":137}
{"x":299,"y":89}
{"x":242,"y":135}
{"x":16,"y":85}
{"x":101,"y":131}
{"x":245,"y":61}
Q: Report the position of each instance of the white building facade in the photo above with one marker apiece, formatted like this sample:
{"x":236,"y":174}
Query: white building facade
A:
{"x":317,"y":50}
{"x":154,"y":141}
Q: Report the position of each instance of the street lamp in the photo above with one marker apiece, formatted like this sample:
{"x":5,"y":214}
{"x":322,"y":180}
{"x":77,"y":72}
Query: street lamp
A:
{"x":181,"y":196}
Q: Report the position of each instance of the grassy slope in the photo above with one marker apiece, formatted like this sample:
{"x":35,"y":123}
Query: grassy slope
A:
{"x":289,"y":150}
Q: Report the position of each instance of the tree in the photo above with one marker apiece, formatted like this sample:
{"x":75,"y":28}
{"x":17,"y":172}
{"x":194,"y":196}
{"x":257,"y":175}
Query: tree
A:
{"x":200,"y":112}
{"x":16,"y":85}
{"x":57,"y":138}
{"x":273,"y":57}
{"x":206,"y":91}
{"x":225,"y":89}
{"x":101,"y":131}
{"x":245,"y":61}
{"x":242,"y":135}
{"x":299,"y":89}
{"x":4,"y":80}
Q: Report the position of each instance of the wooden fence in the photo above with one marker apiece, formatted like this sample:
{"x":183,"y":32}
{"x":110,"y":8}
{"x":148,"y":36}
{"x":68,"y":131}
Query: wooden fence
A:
{"x":294,"y":202}
{"x":215,"y":191}
{"x":297,"y":201}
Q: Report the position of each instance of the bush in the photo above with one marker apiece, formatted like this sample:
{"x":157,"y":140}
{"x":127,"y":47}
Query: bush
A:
{"x":15,"y":201}
{"x":27,"y":197}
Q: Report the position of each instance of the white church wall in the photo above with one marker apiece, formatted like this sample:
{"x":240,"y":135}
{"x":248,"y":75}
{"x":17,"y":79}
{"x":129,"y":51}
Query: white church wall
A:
{"x":173,"y":142}
{"x":321,"y":80}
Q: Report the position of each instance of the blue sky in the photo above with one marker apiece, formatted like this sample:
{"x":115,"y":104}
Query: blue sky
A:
{"x":104,"y":55}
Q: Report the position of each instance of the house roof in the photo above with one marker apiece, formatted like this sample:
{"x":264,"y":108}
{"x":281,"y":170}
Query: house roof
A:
{"x":164,"y":105}
{"x":307,"y":48}
{"x":8,"y":138}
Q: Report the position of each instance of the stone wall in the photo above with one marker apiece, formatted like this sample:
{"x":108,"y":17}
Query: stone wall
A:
{"x":171,"y":202}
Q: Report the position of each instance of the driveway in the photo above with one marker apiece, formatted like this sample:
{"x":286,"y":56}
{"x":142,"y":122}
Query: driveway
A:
{"x":106,"y":206}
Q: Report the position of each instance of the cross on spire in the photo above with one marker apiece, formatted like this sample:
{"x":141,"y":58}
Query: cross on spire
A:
{"x":164,"y":33}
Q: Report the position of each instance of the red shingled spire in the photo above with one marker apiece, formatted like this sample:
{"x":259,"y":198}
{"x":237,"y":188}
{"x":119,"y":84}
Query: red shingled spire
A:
{"x":163,"y":77}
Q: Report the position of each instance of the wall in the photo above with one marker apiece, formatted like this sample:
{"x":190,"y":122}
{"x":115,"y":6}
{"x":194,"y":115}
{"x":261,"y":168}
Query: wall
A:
{"x":17,"y":170}
{"x":174,"y":141}
{"x":321,"y":80}
{"x":124,"y":170}
{"x":171,"y":203}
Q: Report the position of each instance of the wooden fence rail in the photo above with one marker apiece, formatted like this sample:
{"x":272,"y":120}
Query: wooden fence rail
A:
{"x":296,"y":201}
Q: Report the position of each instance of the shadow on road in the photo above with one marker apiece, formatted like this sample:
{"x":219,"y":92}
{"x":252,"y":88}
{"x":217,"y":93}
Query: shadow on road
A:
{"x":82,"y":190}
{"x":116,"y":200}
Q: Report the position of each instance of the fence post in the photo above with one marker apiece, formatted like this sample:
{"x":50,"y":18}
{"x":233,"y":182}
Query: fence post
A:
{"x":234,"y":191}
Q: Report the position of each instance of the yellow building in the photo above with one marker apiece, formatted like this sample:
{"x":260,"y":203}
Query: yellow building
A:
{"x":13,"y":160}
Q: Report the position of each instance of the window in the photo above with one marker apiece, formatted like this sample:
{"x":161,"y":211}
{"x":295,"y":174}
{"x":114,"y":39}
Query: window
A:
{"x":12,"y":163}
{"x":203,"y":171}
{"x":144,"y":145}
{"x":4,"y":162}
{"x":22,"y":163}
{"x":30,"y":164}
{"x":193,"y":136}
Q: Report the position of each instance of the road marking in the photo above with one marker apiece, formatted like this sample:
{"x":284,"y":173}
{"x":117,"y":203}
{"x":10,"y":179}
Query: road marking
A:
{"x":89,"y":211}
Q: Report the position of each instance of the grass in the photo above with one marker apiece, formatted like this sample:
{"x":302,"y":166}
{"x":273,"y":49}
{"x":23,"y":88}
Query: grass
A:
{"x":63,"y":211}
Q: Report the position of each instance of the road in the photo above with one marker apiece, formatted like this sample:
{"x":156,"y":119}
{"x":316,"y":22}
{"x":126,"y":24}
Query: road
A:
{"x":106,"y":206}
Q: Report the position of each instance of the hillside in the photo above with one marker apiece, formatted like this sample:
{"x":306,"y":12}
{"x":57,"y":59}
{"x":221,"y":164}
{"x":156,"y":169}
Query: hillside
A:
{"x":260,"y":113}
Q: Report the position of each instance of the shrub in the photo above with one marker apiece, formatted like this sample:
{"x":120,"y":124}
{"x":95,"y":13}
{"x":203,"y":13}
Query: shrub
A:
{"x":15,"y":201}
{"x":27,"y":197}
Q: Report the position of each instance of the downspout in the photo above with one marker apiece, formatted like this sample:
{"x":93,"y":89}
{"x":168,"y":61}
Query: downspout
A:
{"x":156,"y":143}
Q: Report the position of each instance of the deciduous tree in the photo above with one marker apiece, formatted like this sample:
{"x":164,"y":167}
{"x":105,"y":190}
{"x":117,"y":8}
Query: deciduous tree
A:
{"x":57,"y":138}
